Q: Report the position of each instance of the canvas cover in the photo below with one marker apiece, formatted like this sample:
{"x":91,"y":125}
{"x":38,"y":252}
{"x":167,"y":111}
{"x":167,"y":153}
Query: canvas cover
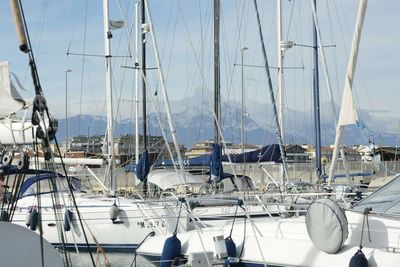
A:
{"x":166,"y":179}
{"x":268,"y":153}
{"x":326,"y":225}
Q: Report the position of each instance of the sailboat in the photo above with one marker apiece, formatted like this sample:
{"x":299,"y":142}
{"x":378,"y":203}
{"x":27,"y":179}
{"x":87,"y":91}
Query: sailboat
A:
{"x":71,"y":216}
{"x":16,"y":131}
{"x":93,"y":220}
{"x":364,"y":235}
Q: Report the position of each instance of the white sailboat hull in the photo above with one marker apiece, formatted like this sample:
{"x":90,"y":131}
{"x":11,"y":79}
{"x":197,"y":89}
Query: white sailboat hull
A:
{"x":285,"y":242}
{"x":134,"y":223}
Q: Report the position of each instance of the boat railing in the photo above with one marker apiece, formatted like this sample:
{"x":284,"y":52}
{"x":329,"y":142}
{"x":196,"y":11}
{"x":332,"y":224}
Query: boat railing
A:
{"x":147,"y":216}
{"x":257,"y":197}
{"x":346,"y":198}
{"x":170,"y":206}
{"x":192,"y":216}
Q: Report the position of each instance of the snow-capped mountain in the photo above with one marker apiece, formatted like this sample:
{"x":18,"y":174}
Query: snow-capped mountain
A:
{"x":194,"y":122}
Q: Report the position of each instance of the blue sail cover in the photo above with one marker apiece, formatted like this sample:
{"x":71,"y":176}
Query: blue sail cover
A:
{"x":143,"y":166}
{"x":264,"y":154}
{"x":216,"y":170}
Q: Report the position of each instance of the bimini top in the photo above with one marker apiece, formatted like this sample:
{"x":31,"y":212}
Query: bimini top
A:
{"x":384,"y":200}
{"x":46,"y":180}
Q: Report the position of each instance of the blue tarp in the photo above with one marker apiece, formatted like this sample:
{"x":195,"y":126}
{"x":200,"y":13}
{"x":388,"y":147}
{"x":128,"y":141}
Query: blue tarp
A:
{"x":264,"y":154}
{"x":130,"y":168}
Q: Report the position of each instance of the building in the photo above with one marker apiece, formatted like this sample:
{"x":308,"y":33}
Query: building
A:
{"x":203,"y":148}
{"x":386,"y":153}
{"x":90,"y":145}
{"x":124,"y":147}
{"x":352,"y":153}
{"x":296,"y":154}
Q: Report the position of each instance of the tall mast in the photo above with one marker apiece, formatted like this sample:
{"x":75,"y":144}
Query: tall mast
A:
{"x":271,"y":93}
{"x":243,"y":110}
{"x":217,"y":78}
{"x":110,"y":119}
{"x":144,"y":74}
{"x":280,"y":76}
{"x":280,"y":65}
{"x":136,"y":82}
{"x":317,"y":119}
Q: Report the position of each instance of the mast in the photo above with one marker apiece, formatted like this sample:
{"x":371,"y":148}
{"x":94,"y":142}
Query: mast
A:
{"x":280,"y":75}
{"x":317,"y":120}
{"x":66,"y":109}
{"x":327,"y":81}
{"x":271,"y":93}
{"x":143,"y":10}
{"x":243,"y":110}
{"x":136,"y":82}
{"x":280,"y":65}
{"x":217,"y":78}
{"x":110,"y":119}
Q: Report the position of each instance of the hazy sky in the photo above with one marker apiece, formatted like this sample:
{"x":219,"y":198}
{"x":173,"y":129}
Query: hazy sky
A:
{"x":184,"y":35}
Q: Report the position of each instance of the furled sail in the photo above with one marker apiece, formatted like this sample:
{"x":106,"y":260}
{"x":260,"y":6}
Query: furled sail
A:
{"x":14,"y":130}
{"x":10,"y":100}
{"x":348,"y":113}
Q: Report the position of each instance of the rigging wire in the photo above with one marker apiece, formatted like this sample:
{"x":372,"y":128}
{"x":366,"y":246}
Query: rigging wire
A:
{"x":40,"y":110}
{"x":164,"y":48}
{"x":39,"y":30}
{"x":229,"y":71}
{"x":164,"y":134}
{"x":202,"y":65}
{"x":197,"y":63}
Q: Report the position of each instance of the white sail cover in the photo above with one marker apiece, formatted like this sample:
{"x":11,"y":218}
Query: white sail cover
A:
{"x":10,"y":100}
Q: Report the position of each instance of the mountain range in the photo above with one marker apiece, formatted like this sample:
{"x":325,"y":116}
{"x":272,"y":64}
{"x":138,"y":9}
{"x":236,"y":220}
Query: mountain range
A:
{"x":194,"y":123}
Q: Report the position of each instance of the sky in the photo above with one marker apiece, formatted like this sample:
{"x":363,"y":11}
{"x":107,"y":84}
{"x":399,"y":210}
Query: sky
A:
{"x":183,"y":31}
